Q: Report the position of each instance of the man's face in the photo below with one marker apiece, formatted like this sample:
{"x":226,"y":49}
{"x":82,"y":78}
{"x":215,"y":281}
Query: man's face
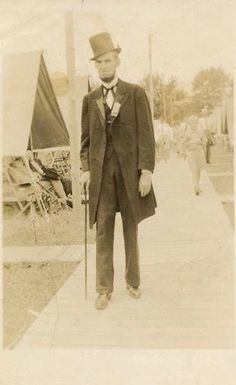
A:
{"x":106,"y":66}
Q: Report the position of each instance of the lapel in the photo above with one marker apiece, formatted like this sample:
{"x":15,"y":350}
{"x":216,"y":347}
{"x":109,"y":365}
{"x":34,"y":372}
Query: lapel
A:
{"x":99,"y":106}
{"x":120,"y":97}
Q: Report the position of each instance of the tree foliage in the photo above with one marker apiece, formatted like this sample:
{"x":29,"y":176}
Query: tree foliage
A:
{"x":209,"y":87}
{"x":173,"y":103}
{"x":170,"y":101}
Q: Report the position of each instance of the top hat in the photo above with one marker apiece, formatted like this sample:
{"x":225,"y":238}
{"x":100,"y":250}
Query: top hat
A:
{"x":102,"y":44}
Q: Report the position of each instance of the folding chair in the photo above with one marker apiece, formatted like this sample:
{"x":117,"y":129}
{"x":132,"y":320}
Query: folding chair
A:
{"x":23,"y":195}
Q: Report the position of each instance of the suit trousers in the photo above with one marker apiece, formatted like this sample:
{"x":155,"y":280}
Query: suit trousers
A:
{"x":113,"y":197}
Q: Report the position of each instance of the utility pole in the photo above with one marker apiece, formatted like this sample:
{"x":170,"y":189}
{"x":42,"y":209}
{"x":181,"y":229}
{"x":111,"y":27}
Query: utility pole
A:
{"x":150,"y":75}
{"x":72,"y":115}
{"x":164,"y":97}
{"x":171,"y":109}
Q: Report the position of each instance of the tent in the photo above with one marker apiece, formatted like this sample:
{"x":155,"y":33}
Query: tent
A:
{"x":31,"y":120}
{"x":31,"y":115}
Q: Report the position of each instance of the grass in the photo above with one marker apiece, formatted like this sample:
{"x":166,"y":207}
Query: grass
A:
{"x":64,"y":228}
{"x":28,"y":287}
{"x":222,"y":162}
{"x":220,"y":168}
{"x":229,"y":209}
{"x":224,"y":185}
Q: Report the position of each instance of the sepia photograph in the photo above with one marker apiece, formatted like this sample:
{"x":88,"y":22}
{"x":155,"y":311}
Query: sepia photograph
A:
{"x":118,"y":175}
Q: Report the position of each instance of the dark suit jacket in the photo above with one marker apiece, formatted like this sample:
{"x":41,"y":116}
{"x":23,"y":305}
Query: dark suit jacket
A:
{"x":133,"y":142}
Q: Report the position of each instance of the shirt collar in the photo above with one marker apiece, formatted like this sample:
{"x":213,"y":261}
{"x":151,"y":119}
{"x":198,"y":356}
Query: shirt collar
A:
{"x":112,"y":84}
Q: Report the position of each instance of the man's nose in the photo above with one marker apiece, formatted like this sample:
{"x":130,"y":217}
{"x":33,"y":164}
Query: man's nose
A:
{"x":103,"y":66}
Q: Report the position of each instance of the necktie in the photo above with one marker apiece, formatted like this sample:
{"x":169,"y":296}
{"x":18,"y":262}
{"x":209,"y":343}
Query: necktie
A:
{"x":109,"y":96}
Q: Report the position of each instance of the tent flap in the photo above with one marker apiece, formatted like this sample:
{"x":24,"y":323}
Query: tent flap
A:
{"x":31,"y":114}
{"x":48,"y":127}
{"x":20,"y":76}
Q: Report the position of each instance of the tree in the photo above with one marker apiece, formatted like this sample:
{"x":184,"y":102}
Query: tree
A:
{"x":208,"y":88}
{"x":170,"y":101}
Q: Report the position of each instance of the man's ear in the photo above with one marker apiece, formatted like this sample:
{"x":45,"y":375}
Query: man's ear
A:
{"x":117,"y":59}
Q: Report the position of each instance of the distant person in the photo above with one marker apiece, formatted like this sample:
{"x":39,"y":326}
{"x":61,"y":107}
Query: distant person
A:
{"x":205,"y":124}
{"x":164,"y":139}
{"x":179,"y":135}
{"x":194,"y":144}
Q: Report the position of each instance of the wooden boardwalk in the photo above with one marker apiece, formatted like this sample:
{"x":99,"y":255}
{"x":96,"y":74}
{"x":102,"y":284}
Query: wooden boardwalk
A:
{"x":187,"y":272}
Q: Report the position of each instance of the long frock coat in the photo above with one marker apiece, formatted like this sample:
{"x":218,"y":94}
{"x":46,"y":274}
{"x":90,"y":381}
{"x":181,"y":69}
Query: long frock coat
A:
{"x":133,"y":142}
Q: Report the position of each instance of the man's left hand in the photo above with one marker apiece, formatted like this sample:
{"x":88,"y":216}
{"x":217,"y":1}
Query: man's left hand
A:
{"x":145,"y":182}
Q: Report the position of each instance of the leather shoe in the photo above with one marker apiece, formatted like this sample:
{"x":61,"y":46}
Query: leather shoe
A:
{"x":134,"y":292}
{"x":102,"y":301}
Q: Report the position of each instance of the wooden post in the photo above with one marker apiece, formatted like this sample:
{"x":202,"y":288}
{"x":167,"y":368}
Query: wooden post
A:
{"x":150,"y":76}
{"x":72,"y":115}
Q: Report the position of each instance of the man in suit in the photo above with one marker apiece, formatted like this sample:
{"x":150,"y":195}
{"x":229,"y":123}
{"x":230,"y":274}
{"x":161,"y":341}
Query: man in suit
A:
{"x":117,"y":157}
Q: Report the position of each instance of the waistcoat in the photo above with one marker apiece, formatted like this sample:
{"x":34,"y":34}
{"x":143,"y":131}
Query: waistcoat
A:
{"x":109,"y":144}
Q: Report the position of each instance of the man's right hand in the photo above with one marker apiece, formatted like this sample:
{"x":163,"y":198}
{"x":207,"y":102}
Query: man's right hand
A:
{"x":85,"y":180}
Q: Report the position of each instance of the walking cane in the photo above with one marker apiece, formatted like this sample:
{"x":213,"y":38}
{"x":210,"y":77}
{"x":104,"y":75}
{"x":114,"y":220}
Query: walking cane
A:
{"x":85,"y":240}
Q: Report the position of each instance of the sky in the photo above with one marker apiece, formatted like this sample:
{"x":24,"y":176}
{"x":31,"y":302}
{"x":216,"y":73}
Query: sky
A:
{"x":187,"y":35}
